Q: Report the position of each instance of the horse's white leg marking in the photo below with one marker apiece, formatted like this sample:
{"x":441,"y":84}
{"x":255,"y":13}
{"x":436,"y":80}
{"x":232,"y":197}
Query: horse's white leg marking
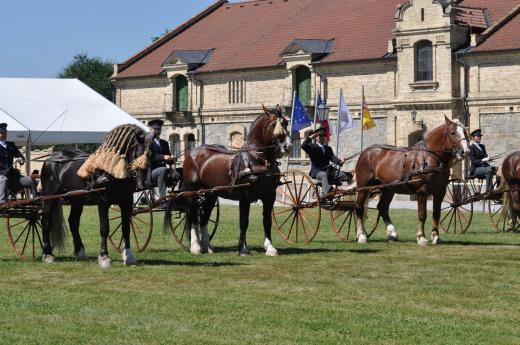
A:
{"x":194,"y":244}
{"x":128,"y":257}
{"x":270,"y":250}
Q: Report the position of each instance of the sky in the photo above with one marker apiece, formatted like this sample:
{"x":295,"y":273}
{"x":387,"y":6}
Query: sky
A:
{"x":40,"y":37}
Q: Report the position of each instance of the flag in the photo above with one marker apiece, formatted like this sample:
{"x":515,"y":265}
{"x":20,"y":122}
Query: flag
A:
{"x":368,"y":121}
{"x":323,"y":119}
{"x":344,"y":115}
{"x":300,"y":117}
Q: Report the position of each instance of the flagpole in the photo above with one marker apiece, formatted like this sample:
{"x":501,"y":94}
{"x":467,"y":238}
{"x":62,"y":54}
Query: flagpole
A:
{"x":362,"y":115}
{"x":338,"y":121}
{"x":315,"y":108}
{"x":290,"y":126}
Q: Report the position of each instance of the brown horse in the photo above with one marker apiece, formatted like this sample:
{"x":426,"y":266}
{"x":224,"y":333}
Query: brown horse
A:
{"x":510,"y":173}
{"x":425,"y":168}
{"x":209,"y":166}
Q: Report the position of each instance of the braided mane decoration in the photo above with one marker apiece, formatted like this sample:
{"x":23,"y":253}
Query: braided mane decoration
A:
{"x":111,"y":156}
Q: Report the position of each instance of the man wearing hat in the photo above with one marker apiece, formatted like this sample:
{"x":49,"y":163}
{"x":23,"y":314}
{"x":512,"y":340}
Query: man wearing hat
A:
{"x":8,"y":152}
{"x":480,"y":167}
{"x":160,"y":156}
{"x":321,"y":155}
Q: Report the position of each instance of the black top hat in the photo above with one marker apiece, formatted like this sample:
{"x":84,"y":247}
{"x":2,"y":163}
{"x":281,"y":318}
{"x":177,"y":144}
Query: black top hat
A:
{"x":320,"y":131}
{"x":156,"y":123}
{"x":3,"y":127}
{"x":476,"y":133}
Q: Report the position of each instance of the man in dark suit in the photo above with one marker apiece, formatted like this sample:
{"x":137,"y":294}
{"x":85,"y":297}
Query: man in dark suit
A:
{"x":8,"y":152}
{"x":321,"y":155}
{"x":480,"y":167}
{"x":160,"y":156}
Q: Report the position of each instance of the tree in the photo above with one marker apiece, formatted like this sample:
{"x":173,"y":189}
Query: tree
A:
{"x":92,"y":71}
{"x":155,"y":38}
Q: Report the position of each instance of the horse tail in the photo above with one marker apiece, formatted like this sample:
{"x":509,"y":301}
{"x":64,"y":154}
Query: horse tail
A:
{"x":57,"y":225}
{"x":167,"y":223}
{"x":507,"y":205}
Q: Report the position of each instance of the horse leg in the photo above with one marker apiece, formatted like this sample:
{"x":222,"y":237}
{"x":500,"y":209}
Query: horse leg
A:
{"x":437,"y":203}
{"x":103,"y":206}
{"x":192,"y":223}
{"x":76,"y":209}
{"x":126,"y":211}
{"x":421,"y":210}
{"x":361,"y":204}
{"x":47,"y":218}
{"x":208,"y":206}
{"x":267,"y":210}
{"x":383,"y":207}
{"x":245,"y":206}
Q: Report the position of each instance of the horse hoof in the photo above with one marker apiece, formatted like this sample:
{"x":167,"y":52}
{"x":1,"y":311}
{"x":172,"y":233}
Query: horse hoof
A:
{"x":271,"y":251}
{"x":393,"y":238}
{"x":362,"y":239}
{"x":104,"y":261}
{"x":436,"y":241}
{"x":210,"y":250}
{"x":80,"y":255}
{"x":128,"y":258}
{"x":422,"y":242}
{"x":244,"y":253}
{"x":195,"y":249}
{"x":48,"y":259}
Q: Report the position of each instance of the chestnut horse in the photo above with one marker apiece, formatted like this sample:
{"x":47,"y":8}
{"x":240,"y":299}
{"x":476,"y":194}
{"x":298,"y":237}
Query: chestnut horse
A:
{"x":425,"y":168}
{"x":255,"y":163}
{"x":510,"y":173}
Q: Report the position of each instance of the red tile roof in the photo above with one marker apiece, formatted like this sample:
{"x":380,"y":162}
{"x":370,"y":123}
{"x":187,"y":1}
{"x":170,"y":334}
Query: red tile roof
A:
{"x":506,"y":38}
{"x":469,"y":16}
{"x":252,"y":34}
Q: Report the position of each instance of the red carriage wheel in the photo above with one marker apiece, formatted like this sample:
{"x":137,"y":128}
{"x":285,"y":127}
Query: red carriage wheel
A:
{"x":297,"y":211}
{"x":343,"y":217}
{"x":456,"y":211}
{"x":141,"y":222}
{"x":178,"y":224}
{"x":24,"y":230}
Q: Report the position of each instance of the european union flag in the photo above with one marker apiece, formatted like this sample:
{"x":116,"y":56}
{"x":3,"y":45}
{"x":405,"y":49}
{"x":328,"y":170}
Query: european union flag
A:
{"x":300,"y":118}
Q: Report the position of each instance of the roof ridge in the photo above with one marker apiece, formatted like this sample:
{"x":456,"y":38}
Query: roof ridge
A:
{"x":498,"y":25}
{"x":174,"y":32}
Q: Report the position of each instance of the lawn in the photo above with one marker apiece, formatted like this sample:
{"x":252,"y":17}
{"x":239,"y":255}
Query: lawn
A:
{"x":329,"y":292}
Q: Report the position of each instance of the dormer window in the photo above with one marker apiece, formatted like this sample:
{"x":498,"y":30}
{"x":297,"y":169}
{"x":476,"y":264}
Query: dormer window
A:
{"x":181,"y":93}
{"x":423,"y":61}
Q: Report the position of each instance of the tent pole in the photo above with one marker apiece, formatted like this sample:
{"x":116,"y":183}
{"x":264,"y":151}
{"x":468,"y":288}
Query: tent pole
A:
{"x":28,"y":150}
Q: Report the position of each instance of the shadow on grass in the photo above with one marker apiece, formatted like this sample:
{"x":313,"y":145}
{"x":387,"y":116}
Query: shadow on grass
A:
{"x":469,"y":243}
{"x":364,"y":251}
{"x":160,"y":262}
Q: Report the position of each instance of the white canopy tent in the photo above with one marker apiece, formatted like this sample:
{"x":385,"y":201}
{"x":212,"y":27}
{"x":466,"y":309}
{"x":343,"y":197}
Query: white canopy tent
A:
{"x":57,"y":111}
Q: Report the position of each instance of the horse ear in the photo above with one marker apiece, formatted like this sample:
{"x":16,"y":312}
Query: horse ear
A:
{"x":448,"y":121}
{"x":266,"y":111}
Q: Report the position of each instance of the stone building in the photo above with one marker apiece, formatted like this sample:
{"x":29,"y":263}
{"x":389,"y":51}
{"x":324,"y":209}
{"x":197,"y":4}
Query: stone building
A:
{"x":417,"y":60}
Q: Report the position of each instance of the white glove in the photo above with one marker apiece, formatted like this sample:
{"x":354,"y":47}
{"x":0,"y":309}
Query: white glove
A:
{"x":485,"y":159}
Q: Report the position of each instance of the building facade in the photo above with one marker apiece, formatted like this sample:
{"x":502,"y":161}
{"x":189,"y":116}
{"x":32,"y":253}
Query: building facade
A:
{"x":417,"y":61}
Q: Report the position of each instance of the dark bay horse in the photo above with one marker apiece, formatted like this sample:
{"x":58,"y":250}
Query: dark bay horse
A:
{"x":426,"y":167}
{"x":209,"y":166}
{"x":60,"y":175}
{"x":510,"y":173}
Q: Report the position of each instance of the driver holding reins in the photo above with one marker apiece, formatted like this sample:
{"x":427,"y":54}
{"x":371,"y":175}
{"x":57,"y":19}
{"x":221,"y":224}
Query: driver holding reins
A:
{"x":8,"y":152}
{"x":321,"y":155}
{"x":480,"y":167}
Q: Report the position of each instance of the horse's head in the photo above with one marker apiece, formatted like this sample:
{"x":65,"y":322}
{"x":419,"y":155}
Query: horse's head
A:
{"x":275,"y":131}
{"x":456,"y":139}
{"x":139,"y":155}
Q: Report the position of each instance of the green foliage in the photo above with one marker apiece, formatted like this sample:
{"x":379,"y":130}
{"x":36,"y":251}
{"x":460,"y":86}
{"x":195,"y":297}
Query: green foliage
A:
{"x":92,"y":71}
{"x":329,"y":292}
{"x":155,"y":38}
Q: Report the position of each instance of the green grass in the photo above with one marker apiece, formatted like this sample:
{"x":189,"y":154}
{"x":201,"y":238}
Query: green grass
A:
{"x":329,"y":292}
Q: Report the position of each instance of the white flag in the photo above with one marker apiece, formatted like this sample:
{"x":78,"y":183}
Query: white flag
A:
{"x":344,"y":115}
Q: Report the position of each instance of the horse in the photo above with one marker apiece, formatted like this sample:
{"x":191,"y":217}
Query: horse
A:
{"x":423,"y":170}
{"x":61,"y":173}
{"x":255,"y":163}
{"x":510,"y":177}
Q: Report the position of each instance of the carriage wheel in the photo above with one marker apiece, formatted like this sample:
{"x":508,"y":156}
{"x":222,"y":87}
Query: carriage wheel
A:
{"x":297,"y":211}
{"x":141,"y":222}
{"x":343,"y":217}
{"x":25,"y":235}
{"x":497,"y":219}
{"x":456,"y":214}
{"x":180,"y":231}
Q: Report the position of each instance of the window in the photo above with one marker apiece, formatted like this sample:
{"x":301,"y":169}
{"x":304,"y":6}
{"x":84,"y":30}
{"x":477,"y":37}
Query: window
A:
{"x":423,"y":61}
{"x":303,"y":84}
{"x":190,"y":142}
{"x":175,"y":145}
{"x":181,"y":93}
{"x":422,"y":14}
{"x":237,"y":91}
{"x":296,"y":150}
{"x":237,"y":140}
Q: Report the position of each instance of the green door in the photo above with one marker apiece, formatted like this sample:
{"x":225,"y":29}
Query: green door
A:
{"x":303,"y":84}
{"x":181,"y":93}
